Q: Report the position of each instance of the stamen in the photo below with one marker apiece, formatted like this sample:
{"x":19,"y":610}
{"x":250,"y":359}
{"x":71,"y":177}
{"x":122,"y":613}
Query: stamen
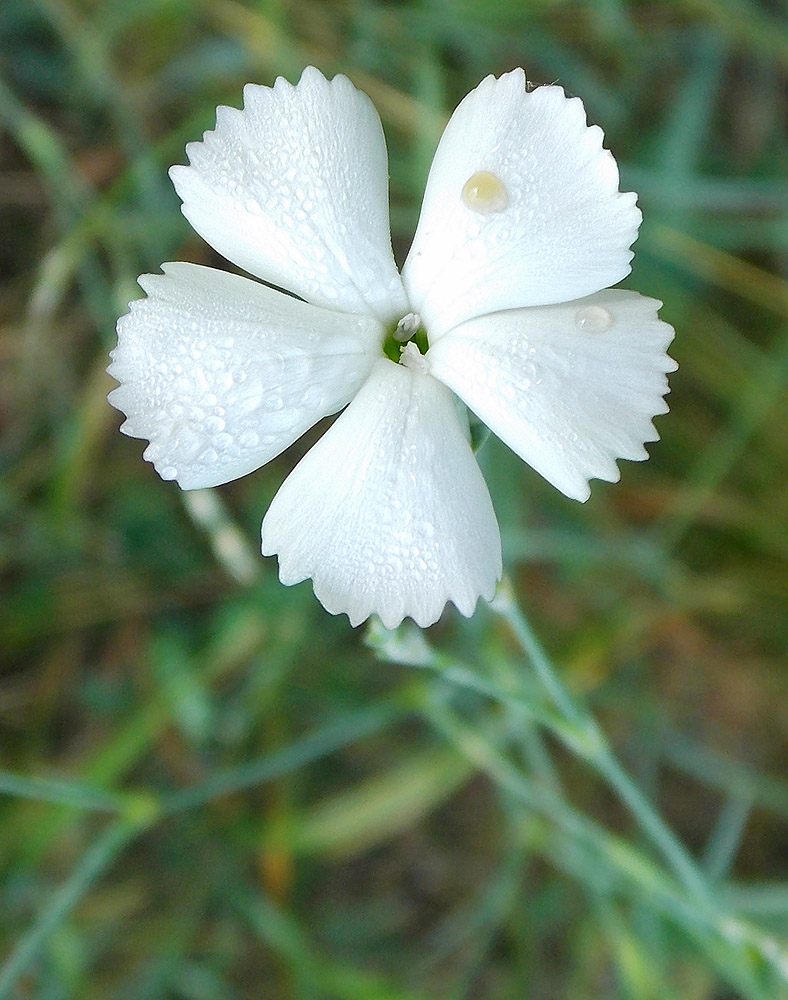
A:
{"x":407,"y":326}
{"x":412,"y":358}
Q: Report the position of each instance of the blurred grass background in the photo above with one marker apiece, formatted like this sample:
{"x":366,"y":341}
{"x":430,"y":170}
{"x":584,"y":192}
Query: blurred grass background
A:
{"x":213,"y":789}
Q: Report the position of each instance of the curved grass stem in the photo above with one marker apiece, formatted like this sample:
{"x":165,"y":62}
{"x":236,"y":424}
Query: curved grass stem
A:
{"x":590,"y":741}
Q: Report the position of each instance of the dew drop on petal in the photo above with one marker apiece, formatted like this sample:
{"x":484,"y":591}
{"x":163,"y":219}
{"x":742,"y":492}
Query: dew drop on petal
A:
{"x":168,"y":472}
{"x":485,"y":193}
{"x":593,"y":319}
{"x":312,"y":397}
{"x":214,"y":424}
{"x":249,"y":439}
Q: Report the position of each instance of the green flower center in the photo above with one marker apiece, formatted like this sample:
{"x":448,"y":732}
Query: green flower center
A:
{"x":407,"y":331}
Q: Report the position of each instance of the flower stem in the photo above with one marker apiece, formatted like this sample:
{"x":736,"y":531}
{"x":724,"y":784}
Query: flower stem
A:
{"x":588,"y":739}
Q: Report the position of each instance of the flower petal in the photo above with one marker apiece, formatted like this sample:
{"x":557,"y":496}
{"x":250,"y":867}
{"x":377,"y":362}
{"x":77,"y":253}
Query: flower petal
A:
{"x":569,"y":387}
{"x":522,"y":208}
{"x":294,"y":189}
{"x":221,"y":373}
{"x":389,"y":513}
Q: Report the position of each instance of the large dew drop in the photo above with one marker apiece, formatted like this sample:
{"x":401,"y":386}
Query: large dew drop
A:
{"x":593,"y":319}
{"x":485,"y":193}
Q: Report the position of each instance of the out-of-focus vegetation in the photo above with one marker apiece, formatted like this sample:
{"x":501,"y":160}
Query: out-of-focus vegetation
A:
{"x":212,"y":788}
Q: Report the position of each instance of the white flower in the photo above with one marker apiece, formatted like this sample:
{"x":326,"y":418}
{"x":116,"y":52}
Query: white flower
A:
{"x":522,"y":228}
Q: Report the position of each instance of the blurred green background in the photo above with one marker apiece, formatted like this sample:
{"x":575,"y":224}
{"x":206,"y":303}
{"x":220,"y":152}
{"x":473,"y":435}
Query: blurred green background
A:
{"x":213,"y":789}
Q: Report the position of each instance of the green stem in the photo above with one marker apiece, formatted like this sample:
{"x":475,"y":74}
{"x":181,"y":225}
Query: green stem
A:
{"x":593,"y":745}
{"x":346,"y":730}
{"x":99,"y":856}
{"x":748,"y":958}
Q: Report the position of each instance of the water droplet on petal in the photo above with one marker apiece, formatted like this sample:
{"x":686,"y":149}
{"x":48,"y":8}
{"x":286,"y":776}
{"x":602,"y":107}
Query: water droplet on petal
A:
{"x":593,"y":319}
{"x":214,"y":424}
{"x":485,"y":193}
{"x":168,"y":472}
{"x":311,"y":397}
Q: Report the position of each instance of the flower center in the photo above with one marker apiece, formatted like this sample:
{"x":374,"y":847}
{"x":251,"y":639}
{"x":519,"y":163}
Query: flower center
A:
{"x":407,"y":337}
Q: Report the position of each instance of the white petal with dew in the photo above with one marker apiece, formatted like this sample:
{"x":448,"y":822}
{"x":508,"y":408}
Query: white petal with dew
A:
{"x":522,"y":208}
{"x":570,"y":388}
{"x":220,"y":373}
{"x":294,"y":189}
{"x":389,"y":513}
